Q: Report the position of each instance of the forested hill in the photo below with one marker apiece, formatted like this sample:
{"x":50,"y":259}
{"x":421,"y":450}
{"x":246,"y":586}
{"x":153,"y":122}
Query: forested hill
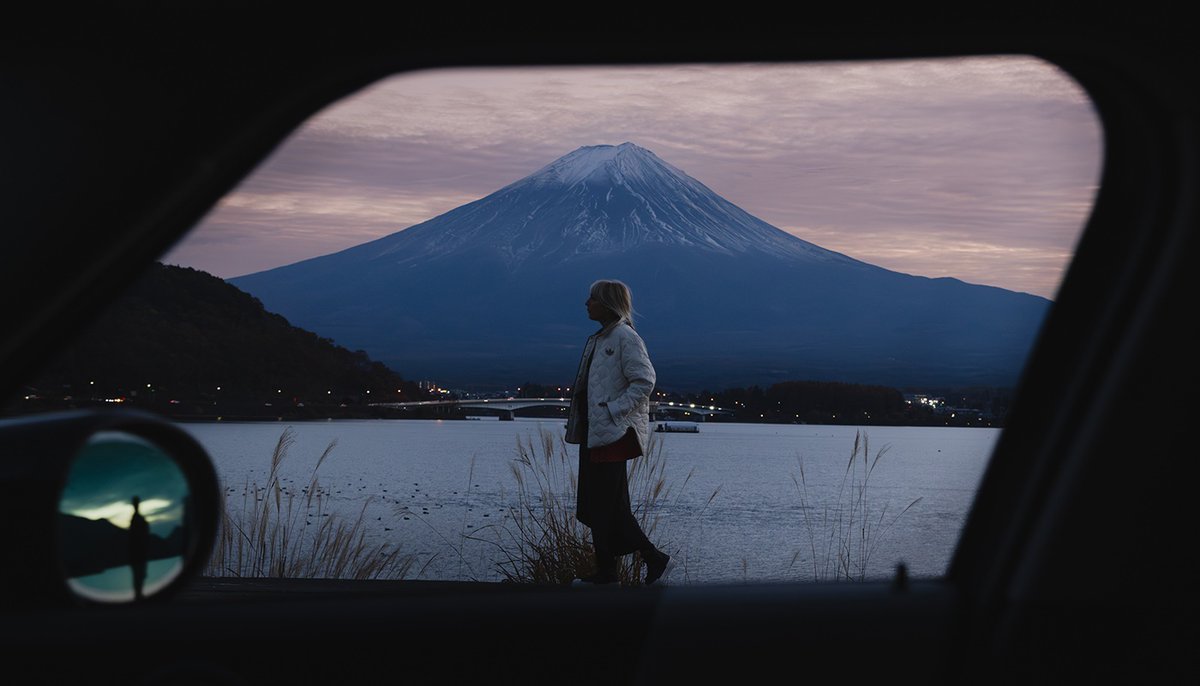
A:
{"x":187,"y":343}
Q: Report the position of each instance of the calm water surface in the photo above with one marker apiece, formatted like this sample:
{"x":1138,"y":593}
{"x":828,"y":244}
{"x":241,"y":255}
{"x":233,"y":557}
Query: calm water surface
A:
{"x":433,"y":487}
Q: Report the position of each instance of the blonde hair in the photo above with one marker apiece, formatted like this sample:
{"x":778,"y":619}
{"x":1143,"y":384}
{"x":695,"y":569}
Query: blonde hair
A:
{"x":616,"y":296}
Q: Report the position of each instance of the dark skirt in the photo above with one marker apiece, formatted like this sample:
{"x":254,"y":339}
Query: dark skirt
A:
{"x":603,"y":506}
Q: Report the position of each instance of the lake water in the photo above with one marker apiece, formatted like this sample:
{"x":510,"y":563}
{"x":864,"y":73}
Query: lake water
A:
{"x":432,"y":487}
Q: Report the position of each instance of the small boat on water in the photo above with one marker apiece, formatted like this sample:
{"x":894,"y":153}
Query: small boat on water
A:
{"x":677,"y":427}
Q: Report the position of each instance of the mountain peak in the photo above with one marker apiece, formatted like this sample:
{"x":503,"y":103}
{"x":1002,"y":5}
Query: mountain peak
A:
{"x":598,"y":162}
{"x":597,"y":199}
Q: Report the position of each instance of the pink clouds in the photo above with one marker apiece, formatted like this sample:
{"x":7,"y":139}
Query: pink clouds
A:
{"x":987,"y":164}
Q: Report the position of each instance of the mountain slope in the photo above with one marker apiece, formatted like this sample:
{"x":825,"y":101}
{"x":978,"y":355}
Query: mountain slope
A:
{"x":492,"y":292}
{"x":179,"y":333}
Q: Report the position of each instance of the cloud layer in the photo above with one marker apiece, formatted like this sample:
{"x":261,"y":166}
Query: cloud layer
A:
{"x":979,"y":168}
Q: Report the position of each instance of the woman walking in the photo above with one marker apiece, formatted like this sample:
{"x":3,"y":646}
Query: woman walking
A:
{"x":610,"y":421}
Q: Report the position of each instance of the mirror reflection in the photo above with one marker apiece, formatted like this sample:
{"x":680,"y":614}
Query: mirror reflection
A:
{"x":124,"y":519}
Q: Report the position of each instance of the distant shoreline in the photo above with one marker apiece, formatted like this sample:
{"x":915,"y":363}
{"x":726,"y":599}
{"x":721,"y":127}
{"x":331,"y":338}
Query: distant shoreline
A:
{"x":355,"y":416}
{"x":753,"y":408}
{"x":241,"y":418}
{"x":237,"y":414}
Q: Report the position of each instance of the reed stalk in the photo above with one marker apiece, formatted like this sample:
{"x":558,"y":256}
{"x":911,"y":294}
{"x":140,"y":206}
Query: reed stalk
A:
{"x":848,"y":530}
{"x":542,"y":542}
{"x":273,"y":533}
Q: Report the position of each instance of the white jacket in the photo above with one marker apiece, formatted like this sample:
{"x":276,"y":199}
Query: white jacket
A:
{"x":622,"y":378}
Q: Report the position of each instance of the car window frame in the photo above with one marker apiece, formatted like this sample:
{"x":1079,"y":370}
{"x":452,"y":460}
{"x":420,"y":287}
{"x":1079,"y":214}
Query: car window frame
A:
{"x":1065,"y":391}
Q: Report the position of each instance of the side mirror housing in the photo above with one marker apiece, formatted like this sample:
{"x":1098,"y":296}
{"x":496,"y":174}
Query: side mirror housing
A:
{"x":102,"y":507}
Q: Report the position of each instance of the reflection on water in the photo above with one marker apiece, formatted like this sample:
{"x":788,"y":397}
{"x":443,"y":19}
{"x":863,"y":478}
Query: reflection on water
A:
{"x":115,"y":584}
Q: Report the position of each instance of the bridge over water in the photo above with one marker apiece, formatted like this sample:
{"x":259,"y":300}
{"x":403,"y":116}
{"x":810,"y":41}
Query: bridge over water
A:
{"x":508,"y":406}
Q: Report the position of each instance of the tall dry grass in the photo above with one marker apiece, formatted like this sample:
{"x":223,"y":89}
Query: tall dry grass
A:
{"x":848,"y":530}
{"x":273,"y":533}
{"x":542,"y":542}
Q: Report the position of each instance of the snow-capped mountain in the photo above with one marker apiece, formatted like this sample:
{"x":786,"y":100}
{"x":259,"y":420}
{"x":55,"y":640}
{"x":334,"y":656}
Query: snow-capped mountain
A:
{"x":596,"y":200}
{"x":491,"y":293}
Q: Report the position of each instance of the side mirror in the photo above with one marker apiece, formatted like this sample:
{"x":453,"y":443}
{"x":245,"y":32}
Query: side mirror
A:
{"x":102,"y":507}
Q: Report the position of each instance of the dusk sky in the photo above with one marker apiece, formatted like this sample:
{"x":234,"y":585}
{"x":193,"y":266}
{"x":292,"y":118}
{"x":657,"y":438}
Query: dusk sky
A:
{"x":982,"y":169}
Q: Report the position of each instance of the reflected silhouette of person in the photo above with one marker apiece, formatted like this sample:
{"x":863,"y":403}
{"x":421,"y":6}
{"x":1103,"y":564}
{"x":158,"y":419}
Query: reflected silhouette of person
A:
{"x":185,"y":538}
{"x":139,"y":540}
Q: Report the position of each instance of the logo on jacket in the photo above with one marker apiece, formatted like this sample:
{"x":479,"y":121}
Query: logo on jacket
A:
{"x":608,"y":351}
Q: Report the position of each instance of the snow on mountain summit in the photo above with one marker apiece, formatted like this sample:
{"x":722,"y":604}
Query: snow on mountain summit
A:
{"x":596,"y":200}
{"x":597,"y":162}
